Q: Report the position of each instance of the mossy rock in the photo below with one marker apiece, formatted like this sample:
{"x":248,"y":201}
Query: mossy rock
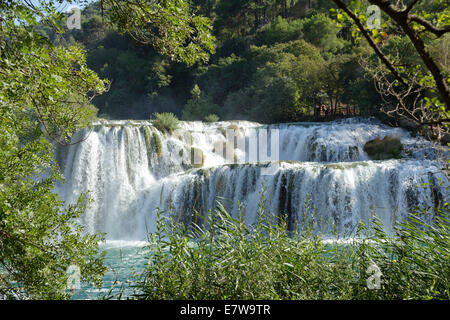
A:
{"x":223,"y":131}
{"x":389,"y":147}
{"x":148,"y":138}
{"x":200,"y":153}
{"x":233,"y":126}
{"x":158,"y":144}
{"x":235,"y":129}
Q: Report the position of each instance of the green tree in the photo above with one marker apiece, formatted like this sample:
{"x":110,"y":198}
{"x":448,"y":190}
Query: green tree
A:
{"x":286,"y":80}
{"x":416,"y":92}
{"x":281,"y":30}
{"x":44,"y":97}
{"x":227,"y":75}
{"x":199,"y":106}
{"x":320,"y":31}
{"x":45,"y":94}
{"x":169,"y":25}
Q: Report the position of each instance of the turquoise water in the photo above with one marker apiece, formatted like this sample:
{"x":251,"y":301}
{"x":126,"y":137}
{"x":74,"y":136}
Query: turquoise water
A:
{"x":125,"y":262}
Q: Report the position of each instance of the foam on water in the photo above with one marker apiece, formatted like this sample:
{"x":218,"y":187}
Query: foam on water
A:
{"x":131,"y":169}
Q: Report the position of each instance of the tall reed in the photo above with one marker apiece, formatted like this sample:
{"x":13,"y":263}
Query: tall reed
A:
{"x":227,"y":259}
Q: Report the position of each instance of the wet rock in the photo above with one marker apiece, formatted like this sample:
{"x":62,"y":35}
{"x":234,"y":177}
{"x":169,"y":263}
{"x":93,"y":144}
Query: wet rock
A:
{"x":408,"y":124}
{"x":382,"y":149}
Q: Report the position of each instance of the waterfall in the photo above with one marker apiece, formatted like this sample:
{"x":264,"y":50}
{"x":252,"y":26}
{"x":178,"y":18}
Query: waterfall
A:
{"x":131,"y":170}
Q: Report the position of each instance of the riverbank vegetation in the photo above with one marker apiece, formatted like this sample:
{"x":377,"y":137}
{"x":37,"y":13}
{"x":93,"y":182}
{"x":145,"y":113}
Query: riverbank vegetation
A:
{"x":45,"y":94}
{"x":279,"y":61}
{"x":166,"y":121}
{"x":226,"y":258}
{"x":280,"y":58}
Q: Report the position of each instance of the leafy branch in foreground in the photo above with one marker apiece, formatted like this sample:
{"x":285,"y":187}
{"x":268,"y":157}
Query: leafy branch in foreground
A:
{"x":417,"y":92}
{"x":170,"y":26}
{"x":44,"y":97}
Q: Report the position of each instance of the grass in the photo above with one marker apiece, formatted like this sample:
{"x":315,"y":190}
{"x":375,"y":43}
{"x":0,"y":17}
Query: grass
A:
{"x":211,"y":118}
{"x":166,"y":121}
{"x":223,"y":258}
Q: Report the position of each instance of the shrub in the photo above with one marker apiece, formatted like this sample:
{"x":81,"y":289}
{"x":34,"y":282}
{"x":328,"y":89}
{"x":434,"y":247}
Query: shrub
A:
{"x":211,"y":118}
{"x":166,"y":121}
{"x":229,"y":259}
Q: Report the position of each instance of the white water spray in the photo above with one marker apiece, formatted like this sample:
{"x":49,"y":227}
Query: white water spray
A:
{"x":131,"y":169}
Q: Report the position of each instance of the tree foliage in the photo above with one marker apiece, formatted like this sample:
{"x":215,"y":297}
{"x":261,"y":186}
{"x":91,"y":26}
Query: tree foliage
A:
{"x":145,"y":82}
{"x":199,"y":106}
{"x":46,"y":89}
{"x":44,"y":97}
{"x":410,"y":79}
{"x":169,"y":25}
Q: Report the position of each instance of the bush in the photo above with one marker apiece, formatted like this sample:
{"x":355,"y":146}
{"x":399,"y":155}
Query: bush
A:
{"x":211,"y":118}
{"x":166,"y":121}
{"x":228,"y":259}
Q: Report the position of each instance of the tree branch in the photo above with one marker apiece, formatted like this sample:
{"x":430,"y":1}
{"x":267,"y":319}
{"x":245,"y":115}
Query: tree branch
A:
{"x":370,"y":40}
{"x":429,"y":26}
{"x":409,"y":8}
{"x":403,"y":19}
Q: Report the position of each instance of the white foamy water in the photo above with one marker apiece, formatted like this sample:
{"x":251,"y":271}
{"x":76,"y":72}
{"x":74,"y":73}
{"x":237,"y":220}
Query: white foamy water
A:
{"x":131,"y":169}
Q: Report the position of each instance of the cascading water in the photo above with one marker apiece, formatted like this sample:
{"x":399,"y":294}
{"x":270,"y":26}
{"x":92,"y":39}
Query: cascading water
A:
{"x":131,"y":169}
